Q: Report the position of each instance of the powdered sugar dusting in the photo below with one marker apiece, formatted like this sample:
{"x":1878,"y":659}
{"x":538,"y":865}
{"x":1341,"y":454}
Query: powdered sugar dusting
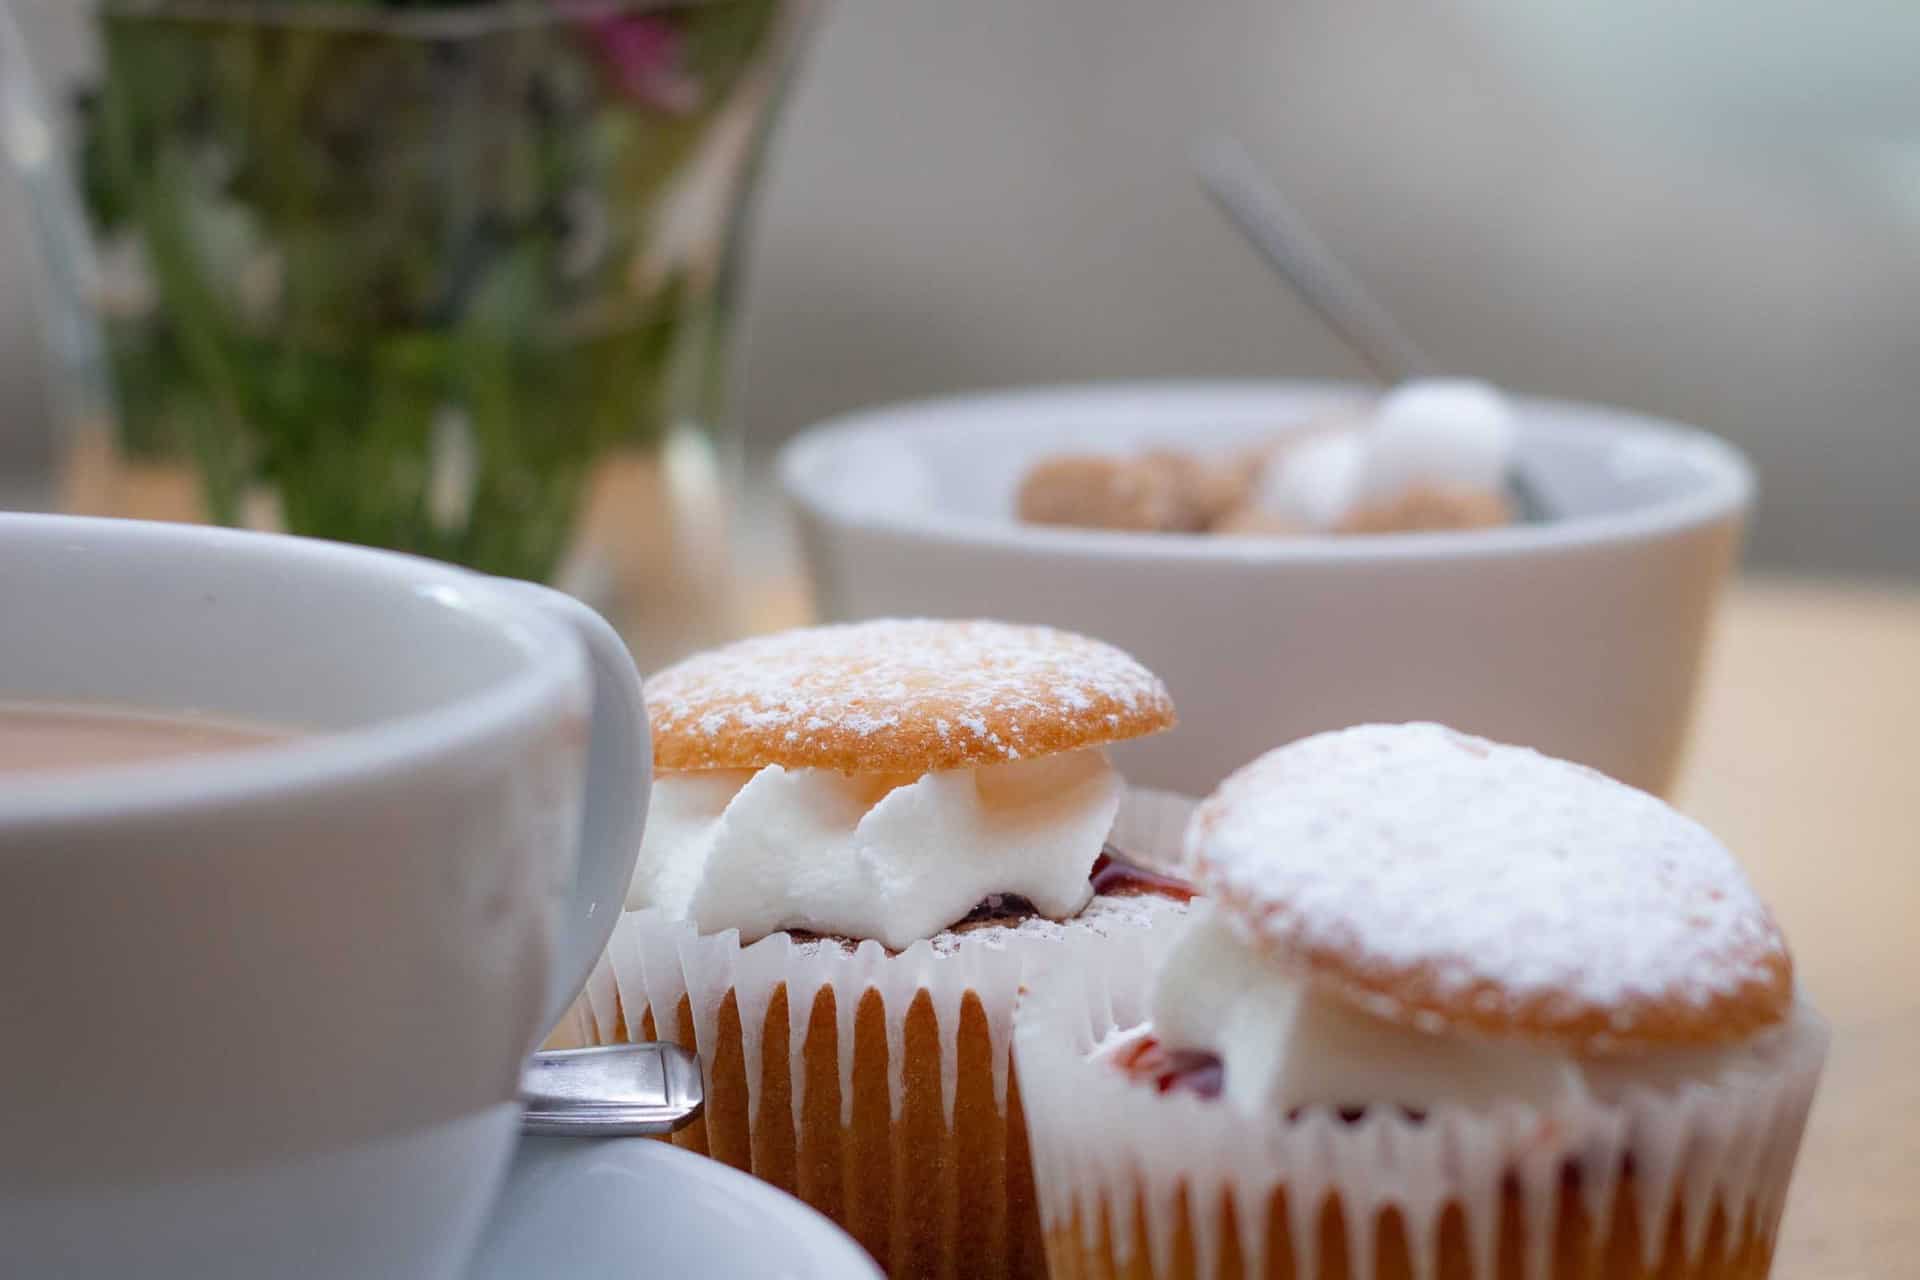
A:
{"x":951,"y":691}
{"x":1496,"y":874}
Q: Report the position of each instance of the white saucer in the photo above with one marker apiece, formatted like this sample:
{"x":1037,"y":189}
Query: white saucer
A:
{"x":628,"y":1207}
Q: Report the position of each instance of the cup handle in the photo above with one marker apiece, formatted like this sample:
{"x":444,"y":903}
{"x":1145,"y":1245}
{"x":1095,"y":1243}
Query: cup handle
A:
{"x":619,"y":776}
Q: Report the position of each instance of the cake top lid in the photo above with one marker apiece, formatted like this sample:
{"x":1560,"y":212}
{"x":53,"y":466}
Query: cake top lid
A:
{"x":1443,"y":880}
{"x":900,"y":696}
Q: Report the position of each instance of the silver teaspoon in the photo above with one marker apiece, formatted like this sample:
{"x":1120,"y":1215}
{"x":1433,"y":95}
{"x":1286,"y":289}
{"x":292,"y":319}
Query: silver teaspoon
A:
{"x":613,"y":1091}
{"x":1280,"y":235}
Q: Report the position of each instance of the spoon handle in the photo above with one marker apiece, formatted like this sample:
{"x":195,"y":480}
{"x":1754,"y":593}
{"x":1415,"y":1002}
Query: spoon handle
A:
{"x":612,"y":1091}
{"x":1279,"y":234}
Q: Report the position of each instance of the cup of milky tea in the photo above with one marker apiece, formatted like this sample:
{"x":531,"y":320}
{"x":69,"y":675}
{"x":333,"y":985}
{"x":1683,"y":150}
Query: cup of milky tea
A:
{"x":303,"y":847}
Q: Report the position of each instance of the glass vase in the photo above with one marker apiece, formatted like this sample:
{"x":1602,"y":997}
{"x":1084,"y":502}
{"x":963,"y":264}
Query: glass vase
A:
{"x":455,"y":278}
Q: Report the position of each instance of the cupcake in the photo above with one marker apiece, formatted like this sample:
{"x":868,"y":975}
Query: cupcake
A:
{"x":860,"y":839}
{"x":1450,"y":1009}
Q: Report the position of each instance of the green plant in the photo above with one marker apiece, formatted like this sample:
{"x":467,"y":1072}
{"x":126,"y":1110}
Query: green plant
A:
{"x":405,"y":276}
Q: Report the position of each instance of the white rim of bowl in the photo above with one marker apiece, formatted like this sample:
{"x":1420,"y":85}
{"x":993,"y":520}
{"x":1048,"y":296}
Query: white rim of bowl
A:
{"x":1726,"y":490}
{"x":380,"y":750}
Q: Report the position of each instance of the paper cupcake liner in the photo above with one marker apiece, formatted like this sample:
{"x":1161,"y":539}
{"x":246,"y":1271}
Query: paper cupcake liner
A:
{"x":575,"y":1030}
{"x":874,"y":1085}
{"x":1684,"y":1184}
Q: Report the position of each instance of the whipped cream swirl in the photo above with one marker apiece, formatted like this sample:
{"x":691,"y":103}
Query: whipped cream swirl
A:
{"x":889,"y":857}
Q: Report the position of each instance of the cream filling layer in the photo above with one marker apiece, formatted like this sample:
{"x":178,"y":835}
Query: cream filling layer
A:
{"x":1283,"y":1044}
{"x":888,"y":857}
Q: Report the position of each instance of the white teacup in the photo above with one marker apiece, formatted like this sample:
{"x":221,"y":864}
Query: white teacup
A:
{"x":264,"y":1013}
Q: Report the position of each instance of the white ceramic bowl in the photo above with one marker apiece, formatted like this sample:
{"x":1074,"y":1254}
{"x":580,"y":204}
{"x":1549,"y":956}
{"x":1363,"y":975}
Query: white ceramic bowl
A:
{"x":1582,"y":636}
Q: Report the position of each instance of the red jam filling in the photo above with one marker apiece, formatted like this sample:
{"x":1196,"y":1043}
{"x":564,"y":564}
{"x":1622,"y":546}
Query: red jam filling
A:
{"x":1203,"y":1075}
{"x":1113,"y":874}
{"x":1169,"y":1069}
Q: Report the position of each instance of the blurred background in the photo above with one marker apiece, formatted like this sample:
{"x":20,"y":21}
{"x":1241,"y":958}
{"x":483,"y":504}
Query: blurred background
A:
{"x":998,"y":192}
{"x":1707,"y":212}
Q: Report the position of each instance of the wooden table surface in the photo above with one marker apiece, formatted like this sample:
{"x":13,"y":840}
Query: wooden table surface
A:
{"x":1804,"y":761}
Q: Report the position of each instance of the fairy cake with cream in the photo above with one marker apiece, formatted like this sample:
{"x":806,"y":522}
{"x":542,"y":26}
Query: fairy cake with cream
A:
{"x":860,"y":840}
{"x":1451,"y":1008}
